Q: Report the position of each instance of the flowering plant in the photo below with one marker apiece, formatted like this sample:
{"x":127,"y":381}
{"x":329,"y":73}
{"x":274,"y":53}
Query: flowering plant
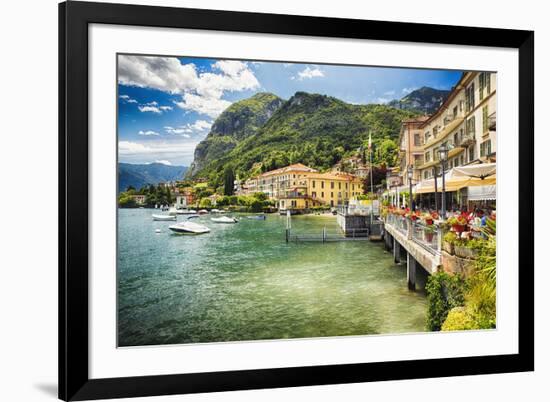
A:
{"x":457,"y":220}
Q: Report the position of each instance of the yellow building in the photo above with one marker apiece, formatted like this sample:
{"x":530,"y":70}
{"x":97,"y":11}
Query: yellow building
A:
{"x":316,"y":189}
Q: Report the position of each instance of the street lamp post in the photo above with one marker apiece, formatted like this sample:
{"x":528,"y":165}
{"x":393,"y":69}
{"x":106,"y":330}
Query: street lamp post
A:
{"x":410,"y":176}
{"x":443,"y":154}
{"x":435,"y":185}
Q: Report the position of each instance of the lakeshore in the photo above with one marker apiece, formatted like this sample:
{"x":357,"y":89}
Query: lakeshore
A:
{"x":244,"y":282}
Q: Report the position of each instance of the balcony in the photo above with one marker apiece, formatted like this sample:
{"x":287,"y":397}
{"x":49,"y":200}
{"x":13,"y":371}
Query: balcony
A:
{"x":466,"y":140}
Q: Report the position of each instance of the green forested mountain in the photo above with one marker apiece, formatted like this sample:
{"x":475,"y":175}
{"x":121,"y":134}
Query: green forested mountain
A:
{"x":423,"y":100}
{"x":313,"y":129}
{"x":239,"y":121}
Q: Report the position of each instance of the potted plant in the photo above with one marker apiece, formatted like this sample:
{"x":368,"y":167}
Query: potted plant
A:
{"x":428,"y":218}
{"x":458,"y":223}
{"x":448,"y":242}
{"x":429,"y":231}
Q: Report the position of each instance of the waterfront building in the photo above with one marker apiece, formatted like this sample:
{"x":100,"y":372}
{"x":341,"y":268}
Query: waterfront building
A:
{"x":139,"y":199}
{"x":411,"y":151}
{"x":315,"y":189}
{"x":465,"y":124}
{"x":276,"y":183}
{"x":181,"y":201}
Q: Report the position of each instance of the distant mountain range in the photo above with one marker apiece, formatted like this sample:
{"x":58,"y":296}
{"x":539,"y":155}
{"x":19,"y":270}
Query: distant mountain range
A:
{"x":424,"y":100}
{"x":141,"y":175}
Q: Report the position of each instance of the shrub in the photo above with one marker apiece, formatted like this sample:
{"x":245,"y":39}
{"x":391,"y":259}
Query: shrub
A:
{"x":458,"y":319}
{"x":444,"y":292}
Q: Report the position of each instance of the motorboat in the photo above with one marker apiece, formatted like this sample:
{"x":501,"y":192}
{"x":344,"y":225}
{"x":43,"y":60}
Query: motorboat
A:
{"x":157,"y":217}
{"x":224,"y":219}
{"x":203,"y":211}
{"x":172,"y":211}
{"x":215,"y":211}
{"x":193,"y":216}
{"x":186,"y":212}
{"x":188,"y":227}
{"x":257,"y":217}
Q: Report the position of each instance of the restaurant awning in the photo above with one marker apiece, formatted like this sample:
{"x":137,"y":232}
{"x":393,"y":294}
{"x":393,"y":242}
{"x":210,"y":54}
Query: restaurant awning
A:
{"x":482,"y":193}
{"x":453,"y":184}
{"x":481,"y":170}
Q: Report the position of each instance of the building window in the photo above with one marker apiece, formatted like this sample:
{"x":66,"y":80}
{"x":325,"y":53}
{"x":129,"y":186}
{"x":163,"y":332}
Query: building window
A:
{"x":425,"y":174}
{"x":339,"y":185}
{"x":322,"y":194}
{"x":331,"y":194}
{"x":427,"y":156}
{"x":462,"y":159}
{"x":322,"y":184}
{"x":470,"y":98}
{"x":426,"y":136}
{"x":435,"y":131}
{"x":481,"y":85}
{"x":331,"y":184}
{"x":485,"y":119}
{"x":353,"y":186}
{"x":455,"y":139}
{"x":455,"y":112}
{"x":471,"y":126}
{"x":417,"y":142}
{"x":471,"y":153}
{"x":485,"y":148}
{"x":346,"y":186}
{"x":313,"y":184}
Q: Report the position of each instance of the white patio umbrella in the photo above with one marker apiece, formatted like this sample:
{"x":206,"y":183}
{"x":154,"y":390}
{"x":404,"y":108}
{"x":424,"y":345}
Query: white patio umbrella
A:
{"x":480,"y":171}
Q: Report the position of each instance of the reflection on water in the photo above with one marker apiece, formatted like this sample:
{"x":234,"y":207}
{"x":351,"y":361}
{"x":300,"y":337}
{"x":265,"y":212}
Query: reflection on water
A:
{"x":243,"y":282}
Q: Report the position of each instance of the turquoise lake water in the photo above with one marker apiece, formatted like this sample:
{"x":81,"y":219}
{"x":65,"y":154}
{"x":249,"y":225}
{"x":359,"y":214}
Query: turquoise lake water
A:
{"x":244,"y":282}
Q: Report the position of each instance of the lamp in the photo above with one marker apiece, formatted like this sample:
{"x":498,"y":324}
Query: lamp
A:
{"x":410,"y":176}
{"x":443,"y":155}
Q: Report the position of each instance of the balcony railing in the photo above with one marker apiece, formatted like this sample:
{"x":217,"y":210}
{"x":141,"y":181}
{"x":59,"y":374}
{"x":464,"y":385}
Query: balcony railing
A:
{"x":427,"y":237}
{"x":467,"y":139}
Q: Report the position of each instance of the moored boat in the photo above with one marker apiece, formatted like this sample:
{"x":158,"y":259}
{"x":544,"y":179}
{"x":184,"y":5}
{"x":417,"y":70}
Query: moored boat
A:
{"x":157,"y":217}
{"x":188,"y":227}
{"x":203,"y":211}
{"x":257,"y":217}
{"x":224,"y":219}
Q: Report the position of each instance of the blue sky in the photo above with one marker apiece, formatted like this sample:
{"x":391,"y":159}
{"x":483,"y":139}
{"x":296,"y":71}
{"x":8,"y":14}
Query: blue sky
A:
{"x":167,"y":105}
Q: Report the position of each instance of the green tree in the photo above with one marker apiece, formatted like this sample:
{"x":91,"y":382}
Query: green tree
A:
{"x":229,"y":179}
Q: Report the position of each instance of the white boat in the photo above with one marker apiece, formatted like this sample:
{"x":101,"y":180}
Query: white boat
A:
{"x":172,"y":211}
{"x":157,"y":217}
{"x":215,"y":211}
{"x":203,"y":211}
{"x":186,"y":212}
{"x":189,"y":228}
{"x":257,"y":217}
{"x":224,"y":219}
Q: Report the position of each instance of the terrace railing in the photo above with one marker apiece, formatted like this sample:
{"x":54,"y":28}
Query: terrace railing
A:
{"x":427,"y":237}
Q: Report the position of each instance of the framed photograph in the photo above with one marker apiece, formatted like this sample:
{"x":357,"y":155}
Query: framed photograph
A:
{"x":258,"y":201}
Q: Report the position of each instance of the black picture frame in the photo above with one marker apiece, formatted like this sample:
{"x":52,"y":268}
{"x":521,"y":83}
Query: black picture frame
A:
{"x":74,"y":18}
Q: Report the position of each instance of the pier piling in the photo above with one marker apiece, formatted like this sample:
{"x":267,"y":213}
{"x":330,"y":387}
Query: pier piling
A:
{"x":411,"y":272}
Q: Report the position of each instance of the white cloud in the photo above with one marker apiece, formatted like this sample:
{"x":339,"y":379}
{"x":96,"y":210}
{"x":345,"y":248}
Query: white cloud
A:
{"x":127,"y":99}
{"x":310,"y":73}
{"x":164,"y":162}
{"x":407,"y":90}
{"x":152,"y":109}
{"x":382,"y":100}
{"x":198,"y":127}
{"x":148,"y":132}
{"x":177,"y":152}
{"x":210,"y":106}
{"x":389,"y":93}
{"x":200,"y":92}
